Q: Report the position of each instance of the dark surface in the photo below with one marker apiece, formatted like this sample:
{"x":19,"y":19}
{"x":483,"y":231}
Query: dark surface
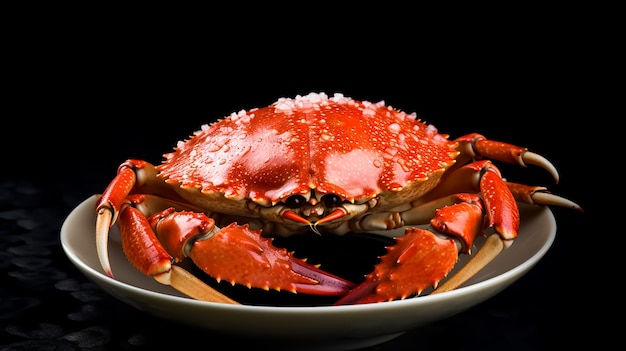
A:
{"x":92,"y":115}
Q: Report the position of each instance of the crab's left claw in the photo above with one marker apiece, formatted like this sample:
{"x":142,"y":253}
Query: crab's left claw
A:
{"x":240,"y":255}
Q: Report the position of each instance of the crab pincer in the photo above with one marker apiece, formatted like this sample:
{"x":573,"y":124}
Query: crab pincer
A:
{"x":416,"y":261}
{"x":252,"y":259}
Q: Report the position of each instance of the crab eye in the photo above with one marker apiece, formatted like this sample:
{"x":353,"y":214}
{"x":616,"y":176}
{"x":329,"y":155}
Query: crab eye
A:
{"x":331,"y":200}
{"x":295,"y":201}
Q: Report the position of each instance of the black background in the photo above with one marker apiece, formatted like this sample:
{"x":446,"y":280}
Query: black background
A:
{"x":78,"y":104}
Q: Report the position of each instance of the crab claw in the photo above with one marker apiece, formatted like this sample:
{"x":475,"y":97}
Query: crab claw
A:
{"x":240,"y":255}
{"x":418,"y":260}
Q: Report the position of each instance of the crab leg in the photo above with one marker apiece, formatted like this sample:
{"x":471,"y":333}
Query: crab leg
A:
{"x":475,"y":145}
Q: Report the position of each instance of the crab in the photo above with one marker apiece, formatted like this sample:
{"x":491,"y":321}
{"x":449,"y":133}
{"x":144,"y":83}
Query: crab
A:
{"x":318,"y":165}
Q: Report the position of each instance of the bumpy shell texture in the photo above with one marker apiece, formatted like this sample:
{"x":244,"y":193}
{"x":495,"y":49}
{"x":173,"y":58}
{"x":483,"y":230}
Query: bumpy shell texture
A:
{"x":354,"y":149}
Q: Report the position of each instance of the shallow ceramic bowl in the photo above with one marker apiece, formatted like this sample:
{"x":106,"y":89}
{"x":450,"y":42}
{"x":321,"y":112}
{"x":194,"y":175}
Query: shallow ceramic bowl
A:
{"x":328,"y":327}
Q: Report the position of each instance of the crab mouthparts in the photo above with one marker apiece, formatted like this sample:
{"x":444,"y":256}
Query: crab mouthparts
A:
{"x":293,"y":216}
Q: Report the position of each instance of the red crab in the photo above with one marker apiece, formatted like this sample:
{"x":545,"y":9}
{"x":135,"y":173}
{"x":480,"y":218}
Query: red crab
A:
{"x":328,"y":165}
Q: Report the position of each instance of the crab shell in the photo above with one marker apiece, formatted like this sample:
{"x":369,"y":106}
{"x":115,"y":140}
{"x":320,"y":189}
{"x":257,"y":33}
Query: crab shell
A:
{"x":356,"y":150}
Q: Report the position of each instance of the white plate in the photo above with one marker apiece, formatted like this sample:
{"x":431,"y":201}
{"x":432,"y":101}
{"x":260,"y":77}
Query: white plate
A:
{"x":331,"y":327}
